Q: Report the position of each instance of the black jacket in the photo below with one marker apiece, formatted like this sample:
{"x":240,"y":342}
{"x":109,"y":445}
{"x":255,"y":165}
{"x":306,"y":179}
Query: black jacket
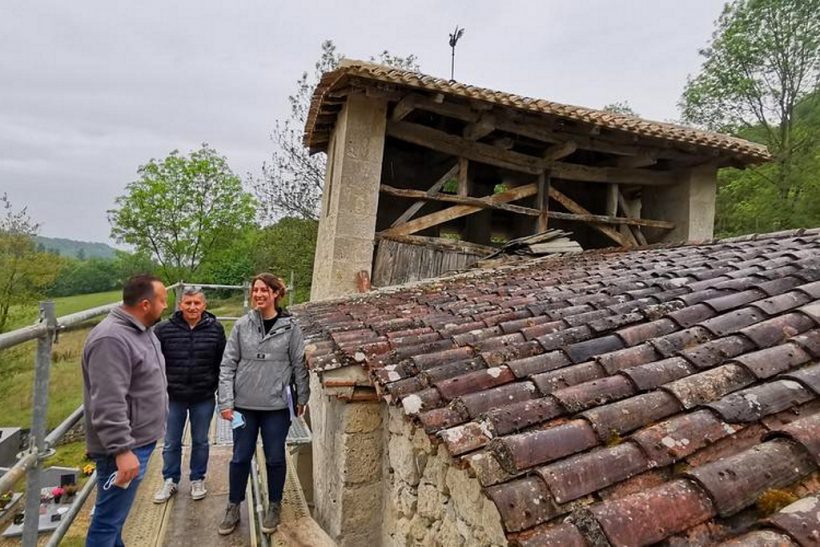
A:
{"x":192,"y":356}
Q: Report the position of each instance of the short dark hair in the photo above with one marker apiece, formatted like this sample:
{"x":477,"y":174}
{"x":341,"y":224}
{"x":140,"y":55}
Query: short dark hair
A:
{"x":137,"y":288}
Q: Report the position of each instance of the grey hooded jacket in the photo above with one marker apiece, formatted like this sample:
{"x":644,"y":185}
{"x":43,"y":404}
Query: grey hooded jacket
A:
{"x":256,"y":366}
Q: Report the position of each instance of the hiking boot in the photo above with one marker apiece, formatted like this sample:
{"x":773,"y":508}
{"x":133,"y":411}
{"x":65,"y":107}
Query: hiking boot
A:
{"x":198,"y":490}
{"x":231,"y":519}
{"x":168,"y":489}
{"x":271,"y":520}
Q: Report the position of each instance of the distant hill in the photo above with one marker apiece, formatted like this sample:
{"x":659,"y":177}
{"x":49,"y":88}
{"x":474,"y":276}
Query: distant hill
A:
{"x":76,"y":249}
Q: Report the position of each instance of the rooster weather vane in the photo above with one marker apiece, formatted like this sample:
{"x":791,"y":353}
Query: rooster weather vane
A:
{"x":457,"y":33}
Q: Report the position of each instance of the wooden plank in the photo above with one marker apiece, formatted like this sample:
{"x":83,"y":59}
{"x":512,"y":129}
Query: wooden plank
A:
{"x":543,"y":202}
{"x":413,"y":209}
{"x":404,"y":107}
{"x":560,"y":150}
{"x":629,"y":213}
{"x":481,"y":128}
{"x":571,"y":205}
{"x":463,"y":178}
{"x":458,"y":146}
{"x":516,"y":161}
{"x":439,"y":243}
{"x":644,"y":160}
{"x":604,"y":219}
{"x":450,"y":198}
{"x":540,"y":130}
{"x":446,"y":215}
{"x":611,"y":200}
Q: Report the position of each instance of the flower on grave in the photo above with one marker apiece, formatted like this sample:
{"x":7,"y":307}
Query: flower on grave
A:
{"x":88,"y":469}
{"x":57,"y":491}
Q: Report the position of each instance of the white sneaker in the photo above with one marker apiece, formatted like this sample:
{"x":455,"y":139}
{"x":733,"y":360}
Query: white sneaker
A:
{"x":168,"y":489}
{"x":198,"y":490}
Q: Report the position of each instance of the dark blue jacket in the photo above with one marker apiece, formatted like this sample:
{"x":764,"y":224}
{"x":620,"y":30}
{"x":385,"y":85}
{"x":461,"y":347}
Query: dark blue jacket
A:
{"x":192,"y":356}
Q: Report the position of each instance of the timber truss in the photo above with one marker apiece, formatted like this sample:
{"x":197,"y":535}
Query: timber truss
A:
{"x":489,"y":134}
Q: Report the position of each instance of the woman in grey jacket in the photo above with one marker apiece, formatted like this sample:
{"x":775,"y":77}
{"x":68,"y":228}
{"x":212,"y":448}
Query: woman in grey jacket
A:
{"x":265,"y":353}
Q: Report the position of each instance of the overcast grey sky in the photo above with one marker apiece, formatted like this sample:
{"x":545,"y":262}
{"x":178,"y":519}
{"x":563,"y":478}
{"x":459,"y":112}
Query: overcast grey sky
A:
{"x":90,"y":90}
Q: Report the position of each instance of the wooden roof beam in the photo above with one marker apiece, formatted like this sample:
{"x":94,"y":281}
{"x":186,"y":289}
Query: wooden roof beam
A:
{"x":544,"y":131}
{"x":452,"y":198}
{"x":516,"y":161}
{"x":576,"y":208}
{"x":458,"y":211}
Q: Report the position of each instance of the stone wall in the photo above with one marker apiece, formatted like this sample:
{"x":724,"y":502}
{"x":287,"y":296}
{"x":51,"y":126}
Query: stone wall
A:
{"x":428,"y":501}
{"x":347,"y":468}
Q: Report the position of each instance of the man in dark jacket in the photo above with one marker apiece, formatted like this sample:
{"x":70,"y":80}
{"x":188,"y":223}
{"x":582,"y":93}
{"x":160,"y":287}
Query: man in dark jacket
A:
{"x":192,"y":342}
{"x":126,"y":403}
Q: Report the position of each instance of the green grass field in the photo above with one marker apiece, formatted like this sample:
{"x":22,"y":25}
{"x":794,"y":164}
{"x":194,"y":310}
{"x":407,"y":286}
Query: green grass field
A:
{"x":20,"y":316}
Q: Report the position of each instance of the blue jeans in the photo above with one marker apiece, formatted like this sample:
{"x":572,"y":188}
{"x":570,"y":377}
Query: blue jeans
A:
{"x":274,"y":425}
{"x":113,"y":504}
{"x":200,"y":413}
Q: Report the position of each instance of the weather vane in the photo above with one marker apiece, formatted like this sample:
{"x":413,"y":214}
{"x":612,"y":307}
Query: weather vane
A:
{"x":458,"y":33}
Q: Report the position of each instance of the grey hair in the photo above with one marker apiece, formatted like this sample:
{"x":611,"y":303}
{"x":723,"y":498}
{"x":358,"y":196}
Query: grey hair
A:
{"x":192,"y":290}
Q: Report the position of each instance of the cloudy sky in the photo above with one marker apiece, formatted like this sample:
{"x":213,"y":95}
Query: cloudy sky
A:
{"x":90,"y":90}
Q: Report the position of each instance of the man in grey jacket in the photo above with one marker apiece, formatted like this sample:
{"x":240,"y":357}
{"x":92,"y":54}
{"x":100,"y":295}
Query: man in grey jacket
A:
{"x":126,"y":402}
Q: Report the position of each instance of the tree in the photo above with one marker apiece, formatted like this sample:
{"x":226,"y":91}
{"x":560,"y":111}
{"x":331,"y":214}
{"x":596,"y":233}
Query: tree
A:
{"x":86,"y":276}
{"x":25,"y":272}
{"x":292,"y":181}
{"x":289,"y":245}
{"x":181,"y":209}
{"x":763,"y":62}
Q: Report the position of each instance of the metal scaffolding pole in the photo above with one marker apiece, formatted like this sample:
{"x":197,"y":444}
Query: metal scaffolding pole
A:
{"x":37,"y":439}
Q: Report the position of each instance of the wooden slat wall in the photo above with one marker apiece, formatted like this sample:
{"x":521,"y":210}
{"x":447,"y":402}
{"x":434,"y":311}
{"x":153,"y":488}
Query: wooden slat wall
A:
{"x":396,"y":263}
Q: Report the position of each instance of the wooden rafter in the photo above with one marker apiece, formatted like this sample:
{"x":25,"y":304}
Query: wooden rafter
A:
{"x":541,"y":131}
{"x":636,"y":230}
{"x":516,"y":161}
{"x":578,"y":209}
{"x":438,"y":185}
{"x":458,"y":211}
{"x":465,"y":247}
{"x":451,"y":198}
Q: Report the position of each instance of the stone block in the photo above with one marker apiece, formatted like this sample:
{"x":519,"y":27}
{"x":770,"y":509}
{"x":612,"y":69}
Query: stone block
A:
{"x":430,"y":502}
{"x":402,"y":460}
{"x":362,"y":455}
{"x":435,"y":473}
{"x":396,"y":423}
{"x":449,"y":535}
{"x":362,"y":417}
{"x":362,"y":510}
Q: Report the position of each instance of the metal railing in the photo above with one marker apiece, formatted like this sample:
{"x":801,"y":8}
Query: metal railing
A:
{"x":42,"y":445}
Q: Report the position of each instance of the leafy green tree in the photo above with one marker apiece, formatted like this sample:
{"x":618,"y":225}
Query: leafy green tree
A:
{"x":292,"y":181}
{"x":761,"y":67}
{"x":232,"y":264}
{"x":25,"y":272}
{"x":86,"y":276}
{"x":288,"y":245}
{"x":181,"y":209}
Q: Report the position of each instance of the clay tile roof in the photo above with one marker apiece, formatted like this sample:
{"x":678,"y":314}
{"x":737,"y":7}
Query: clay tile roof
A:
{"x":589,"y":413}
{"x":324,"y":108}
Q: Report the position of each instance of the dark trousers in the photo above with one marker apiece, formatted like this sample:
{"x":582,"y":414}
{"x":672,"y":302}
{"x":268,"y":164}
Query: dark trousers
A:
{"x":274,"y":425}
